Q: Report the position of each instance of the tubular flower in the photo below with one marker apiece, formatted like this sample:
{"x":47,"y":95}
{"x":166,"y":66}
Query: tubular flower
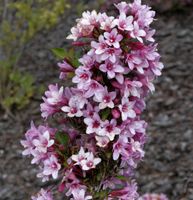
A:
{"x":99,"y":137}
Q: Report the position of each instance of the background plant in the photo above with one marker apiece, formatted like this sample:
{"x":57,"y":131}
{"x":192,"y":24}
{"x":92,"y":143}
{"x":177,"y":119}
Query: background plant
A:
{"x":20,"y":22}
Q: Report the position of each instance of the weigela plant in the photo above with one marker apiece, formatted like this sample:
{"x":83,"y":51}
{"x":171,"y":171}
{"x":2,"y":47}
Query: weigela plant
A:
{"x":99,"y":135}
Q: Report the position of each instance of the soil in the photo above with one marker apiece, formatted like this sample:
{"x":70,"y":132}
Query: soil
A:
{"x":168,"y":164}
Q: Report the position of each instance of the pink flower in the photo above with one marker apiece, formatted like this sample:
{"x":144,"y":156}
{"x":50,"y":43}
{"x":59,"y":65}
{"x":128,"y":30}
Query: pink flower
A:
{"x":54,"y":95}
{"x":156,"y":67}
{"x":133,"y":127}
{"x":133,"y":59}
{"x":82,"y":77}
{"x":87,"y":61}
{"x":84,"y":30}
{"x":124,"y":23}
{"x":82,"y":155}
{"x":73,"y":186}
{"x":111,"y":54}
{"x":126,"y":109}
{"x":150,"y":52}
{"x":89,"y":18}
{"x":105,"y":99}
{"x":100,"y":46}
{"x":123,"y":7}
{"x":136,"y":60}
{"x":113,"y":38}
{"x":110,"y":130}
{"x":89,"y":112}
{"x":41,"y":136}
{"x":75,"y":34}
{"x":65,"y":69}
{"x":80,"y":195}
{"x":147,"y":83}
{"x":108,"y":24}
{"x":51,"y":167}
{"x":74,"y":107}
{"x":38,"y":156}
{"x":136,"y":147}
{"x":43,"y":142}
{"x":136,"y":7}
{"x":92,"y":88}
{"x":90,"y":162}
{"x":43,"y":195}
{"x":137,"y":32}
{"x":132,"y":88}
{"x":145,"y":16}
{"x":149,"y":35}
{"x":55,"y":98}
{"x":112,"y":69}
{"x":120,"y":148}
{"x":47,"y":110}
{"x":102,"y":141}
{"x":129,"y":192}
{"x":30,"y":135}
{"x":93,"y":124}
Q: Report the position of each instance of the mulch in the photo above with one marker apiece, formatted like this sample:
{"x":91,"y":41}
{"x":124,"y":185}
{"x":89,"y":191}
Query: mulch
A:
{"x":168,"y":164}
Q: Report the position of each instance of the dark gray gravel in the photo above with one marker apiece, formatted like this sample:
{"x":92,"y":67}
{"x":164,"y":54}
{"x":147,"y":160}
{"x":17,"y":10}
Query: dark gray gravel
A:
{"x":168,"y":165}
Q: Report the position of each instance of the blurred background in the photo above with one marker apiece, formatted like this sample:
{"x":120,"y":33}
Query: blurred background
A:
{"x":29,"y":29}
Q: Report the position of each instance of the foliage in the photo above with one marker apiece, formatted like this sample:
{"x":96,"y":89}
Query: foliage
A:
{"x":21,"y":21}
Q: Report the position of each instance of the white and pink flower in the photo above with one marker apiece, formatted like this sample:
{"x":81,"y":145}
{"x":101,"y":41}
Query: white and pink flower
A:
{"x":126,"y":109}
{"x":138,"y":33}
{"x":113,"y":38}
{"x":43,"y":195}
{"x":112,"y":69}
{"x":90,"y":162}
{"x":124,"y":23}
{"x":110,"y":130}
{"x":78,"y":158}
{"x":80,"y":195}
{"x":43,"y":142}
{"x":94,"y":124}
{"x":105,"y":99}
{"x":82,"y":77}
{"x":51,"y":167}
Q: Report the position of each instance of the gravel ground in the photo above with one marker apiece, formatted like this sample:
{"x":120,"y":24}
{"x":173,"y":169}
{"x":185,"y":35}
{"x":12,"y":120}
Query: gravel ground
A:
{"x":168,"y":164}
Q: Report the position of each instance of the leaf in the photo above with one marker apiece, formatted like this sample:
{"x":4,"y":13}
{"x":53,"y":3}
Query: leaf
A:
{"x":60,"y":53}
{"x":123,"y":178}
{"x":105,"y":114}
{"x":62,"y":137}
{"x":101,"y":194}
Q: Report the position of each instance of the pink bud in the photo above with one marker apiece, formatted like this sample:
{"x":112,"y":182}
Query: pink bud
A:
{"x":61,"y":187}
{"x":116,"y":113}
{"x":99,"y":78}
{"x":80,"y":44}
{"x":116,"y":100}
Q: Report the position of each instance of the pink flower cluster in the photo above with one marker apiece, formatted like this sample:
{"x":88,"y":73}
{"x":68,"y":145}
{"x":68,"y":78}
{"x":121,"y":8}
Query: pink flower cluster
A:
{"x":39,"y":143}
{"x":99,"y":138}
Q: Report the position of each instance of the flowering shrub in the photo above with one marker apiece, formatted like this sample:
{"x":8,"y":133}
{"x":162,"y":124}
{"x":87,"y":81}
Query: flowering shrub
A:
{"x":100,"y":136}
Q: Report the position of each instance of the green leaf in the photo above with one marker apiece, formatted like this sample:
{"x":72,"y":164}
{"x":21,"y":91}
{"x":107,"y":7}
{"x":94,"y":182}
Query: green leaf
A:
{"x":105,"y":114}
{"x":123,"y":178}
{"x":60,"y":53}
{"x":101,"y":194}
{"x":62,"y":138}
